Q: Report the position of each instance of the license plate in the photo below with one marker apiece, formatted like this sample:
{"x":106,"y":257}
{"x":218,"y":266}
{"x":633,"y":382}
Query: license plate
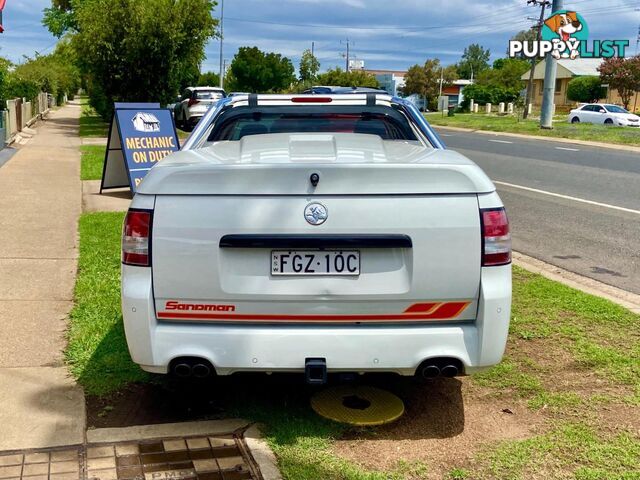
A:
{"x":315,"y":262}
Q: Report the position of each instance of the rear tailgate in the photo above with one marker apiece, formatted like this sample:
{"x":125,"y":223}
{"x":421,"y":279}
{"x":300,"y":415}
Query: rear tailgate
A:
{"x":436,"y":278}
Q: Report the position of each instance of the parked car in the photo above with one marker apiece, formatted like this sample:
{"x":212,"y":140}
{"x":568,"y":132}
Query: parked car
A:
{"x":298,"y":233}
{"x":604,"y":113}
{"x":194,"y":103}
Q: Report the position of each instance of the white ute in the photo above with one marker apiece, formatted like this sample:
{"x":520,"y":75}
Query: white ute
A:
{"x":316,"y":234}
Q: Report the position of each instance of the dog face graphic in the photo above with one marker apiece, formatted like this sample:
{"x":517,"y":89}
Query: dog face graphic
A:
{"x":564,"y":24}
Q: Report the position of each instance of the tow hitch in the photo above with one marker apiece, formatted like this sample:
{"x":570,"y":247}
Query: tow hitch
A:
{"x":315,"y":371}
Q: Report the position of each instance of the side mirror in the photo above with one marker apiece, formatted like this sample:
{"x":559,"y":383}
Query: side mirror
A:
{"x":602,"y":110}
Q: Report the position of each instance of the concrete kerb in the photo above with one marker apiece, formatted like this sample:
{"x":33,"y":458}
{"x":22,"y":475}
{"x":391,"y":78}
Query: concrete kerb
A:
{"x":587,"y":143}
{"x":628,"y":300}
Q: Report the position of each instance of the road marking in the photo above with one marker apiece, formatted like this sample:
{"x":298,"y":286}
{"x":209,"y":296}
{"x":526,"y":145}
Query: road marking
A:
{"x":446,"y":135}
{"x":500,"y":141}
{"x":567,"y":197}
{"x":568,"y":149}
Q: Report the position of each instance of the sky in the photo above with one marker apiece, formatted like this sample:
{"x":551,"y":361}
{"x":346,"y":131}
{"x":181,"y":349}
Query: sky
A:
{"x":384,"y":34}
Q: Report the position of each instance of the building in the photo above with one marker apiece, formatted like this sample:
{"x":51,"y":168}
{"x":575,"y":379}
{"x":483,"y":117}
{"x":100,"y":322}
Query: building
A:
{"x":567,"y":70}
{"x":455,"y":92}
{"x":390,"y":80}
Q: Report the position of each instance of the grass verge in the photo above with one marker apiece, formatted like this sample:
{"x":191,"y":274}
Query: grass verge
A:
{"x":573,"y":359}
{"x":561,"y":129}
{"x":92,"y":162}
{"x":91,"y":124}
{"x":97,"y":351}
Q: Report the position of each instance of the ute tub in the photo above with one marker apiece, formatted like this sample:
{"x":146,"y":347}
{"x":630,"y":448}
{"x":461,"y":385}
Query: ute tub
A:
{"x":284,"y":348}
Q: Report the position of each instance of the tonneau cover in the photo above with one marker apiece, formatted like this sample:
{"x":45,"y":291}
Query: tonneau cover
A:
{"x":348,"y":164}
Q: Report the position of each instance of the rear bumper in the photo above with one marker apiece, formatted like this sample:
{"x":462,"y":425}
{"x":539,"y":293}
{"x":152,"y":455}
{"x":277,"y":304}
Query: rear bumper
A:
{"x":279,"y":348}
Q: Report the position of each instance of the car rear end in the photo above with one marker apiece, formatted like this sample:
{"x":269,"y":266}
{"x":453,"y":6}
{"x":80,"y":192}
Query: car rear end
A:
{"x":201,"y":100}
{"x":321,"y":252}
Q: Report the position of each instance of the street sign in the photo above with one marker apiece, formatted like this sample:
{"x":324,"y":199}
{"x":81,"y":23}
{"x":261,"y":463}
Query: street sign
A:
{"x":141,"y":134}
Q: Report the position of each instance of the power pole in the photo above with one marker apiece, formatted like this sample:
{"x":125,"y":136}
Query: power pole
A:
{"x":543,"y":4}
{"x":221,"y":42}
{"x":346,"y":56}
{"x":313,"y":48}
{"x":550,"y":69}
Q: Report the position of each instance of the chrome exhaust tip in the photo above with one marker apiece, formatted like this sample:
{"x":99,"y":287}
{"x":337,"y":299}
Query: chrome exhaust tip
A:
{"x":200,"y":370}
{"x":182,"y":370}
{"x":430,"y":371}
{"x":449,"y":371}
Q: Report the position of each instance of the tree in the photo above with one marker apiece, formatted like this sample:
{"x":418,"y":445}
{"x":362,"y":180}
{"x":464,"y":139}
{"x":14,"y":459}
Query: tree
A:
{"x":586,"y":89}
{"x":623,"y":75}
{"x":309,"y":66}
{"x":55,"y":73}
{"x":209,"y":79}
{"x":425,"y":80}
{"x":474,"y":60}
{"x":530,"y":35}
{"x":255,"y":71}
{"x":506,"y":72}
{"x":60,"y":17}
{"x":140,"y":51}
{"x":354,"y":78}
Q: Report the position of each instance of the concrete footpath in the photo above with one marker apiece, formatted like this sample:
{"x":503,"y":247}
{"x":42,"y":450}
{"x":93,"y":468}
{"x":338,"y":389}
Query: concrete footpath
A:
{"x":40,"y":202}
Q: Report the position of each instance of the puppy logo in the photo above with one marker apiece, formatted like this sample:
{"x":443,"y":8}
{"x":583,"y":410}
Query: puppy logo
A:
{"x":565,"y":25}
{"x":565,"y":29}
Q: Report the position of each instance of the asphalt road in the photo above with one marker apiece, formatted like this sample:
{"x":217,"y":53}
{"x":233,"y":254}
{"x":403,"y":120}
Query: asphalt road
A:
{"x":574,"y":206}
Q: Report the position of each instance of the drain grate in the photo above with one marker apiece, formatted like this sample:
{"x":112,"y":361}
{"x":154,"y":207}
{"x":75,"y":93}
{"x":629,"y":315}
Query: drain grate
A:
{"x":219,"y":457}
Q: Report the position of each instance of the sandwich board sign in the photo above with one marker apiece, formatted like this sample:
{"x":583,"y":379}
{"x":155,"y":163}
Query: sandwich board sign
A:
{"x":141,"y":134}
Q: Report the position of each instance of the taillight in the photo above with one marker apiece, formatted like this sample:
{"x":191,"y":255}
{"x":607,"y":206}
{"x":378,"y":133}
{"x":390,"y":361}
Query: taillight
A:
{"x":192,"y":102}
{"x":496,"y":239}
{"x":136,"y":238}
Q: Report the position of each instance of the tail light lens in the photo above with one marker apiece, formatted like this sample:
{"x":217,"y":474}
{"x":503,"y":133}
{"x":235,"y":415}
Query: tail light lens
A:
{"x":193,"y":101}
{"x":136,"y":238}
{"x":496,"y":249}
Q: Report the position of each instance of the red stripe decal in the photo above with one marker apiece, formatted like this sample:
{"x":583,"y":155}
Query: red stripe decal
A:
{"x":438,"y":311}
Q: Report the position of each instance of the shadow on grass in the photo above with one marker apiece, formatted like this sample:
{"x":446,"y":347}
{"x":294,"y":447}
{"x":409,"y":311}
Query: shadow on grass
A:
{"x":92,"y":125}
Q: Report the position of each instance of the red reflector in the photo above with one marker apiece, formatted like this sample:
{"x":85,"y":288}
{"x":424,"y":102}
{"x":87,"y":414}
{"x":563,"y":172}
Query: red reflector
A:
{"x":312,"y":100}
{"x":496,"y":237}
{"x":136,"y":238}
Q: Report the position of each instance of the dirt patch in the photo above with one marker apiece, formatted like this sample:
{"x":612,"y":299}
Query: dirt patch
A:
{"x":446,"y":422}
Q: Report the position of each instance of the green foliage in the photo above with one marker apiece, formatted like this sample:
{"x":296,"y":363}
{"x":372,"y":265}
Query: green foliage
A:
{"x":425,"y":80}
{"x":506,"y":72}
{"x":354,"y":78}
{"x":309,"y":66}
{"x":255,"y":71}
{"x":474,"y":60}
{"x":140,"y":51}
{"x":55,"y":73}
{"x":494,"y":94}
{"x":586,"y":89}
{"x":209,"y":79}
{"x":623,"y":75}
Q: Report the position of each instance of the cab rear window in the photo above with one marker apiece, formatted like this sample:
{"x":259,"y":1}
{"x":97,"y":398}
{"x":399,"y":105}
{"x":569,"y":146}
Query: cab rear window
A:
{"x":291,"y":121}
